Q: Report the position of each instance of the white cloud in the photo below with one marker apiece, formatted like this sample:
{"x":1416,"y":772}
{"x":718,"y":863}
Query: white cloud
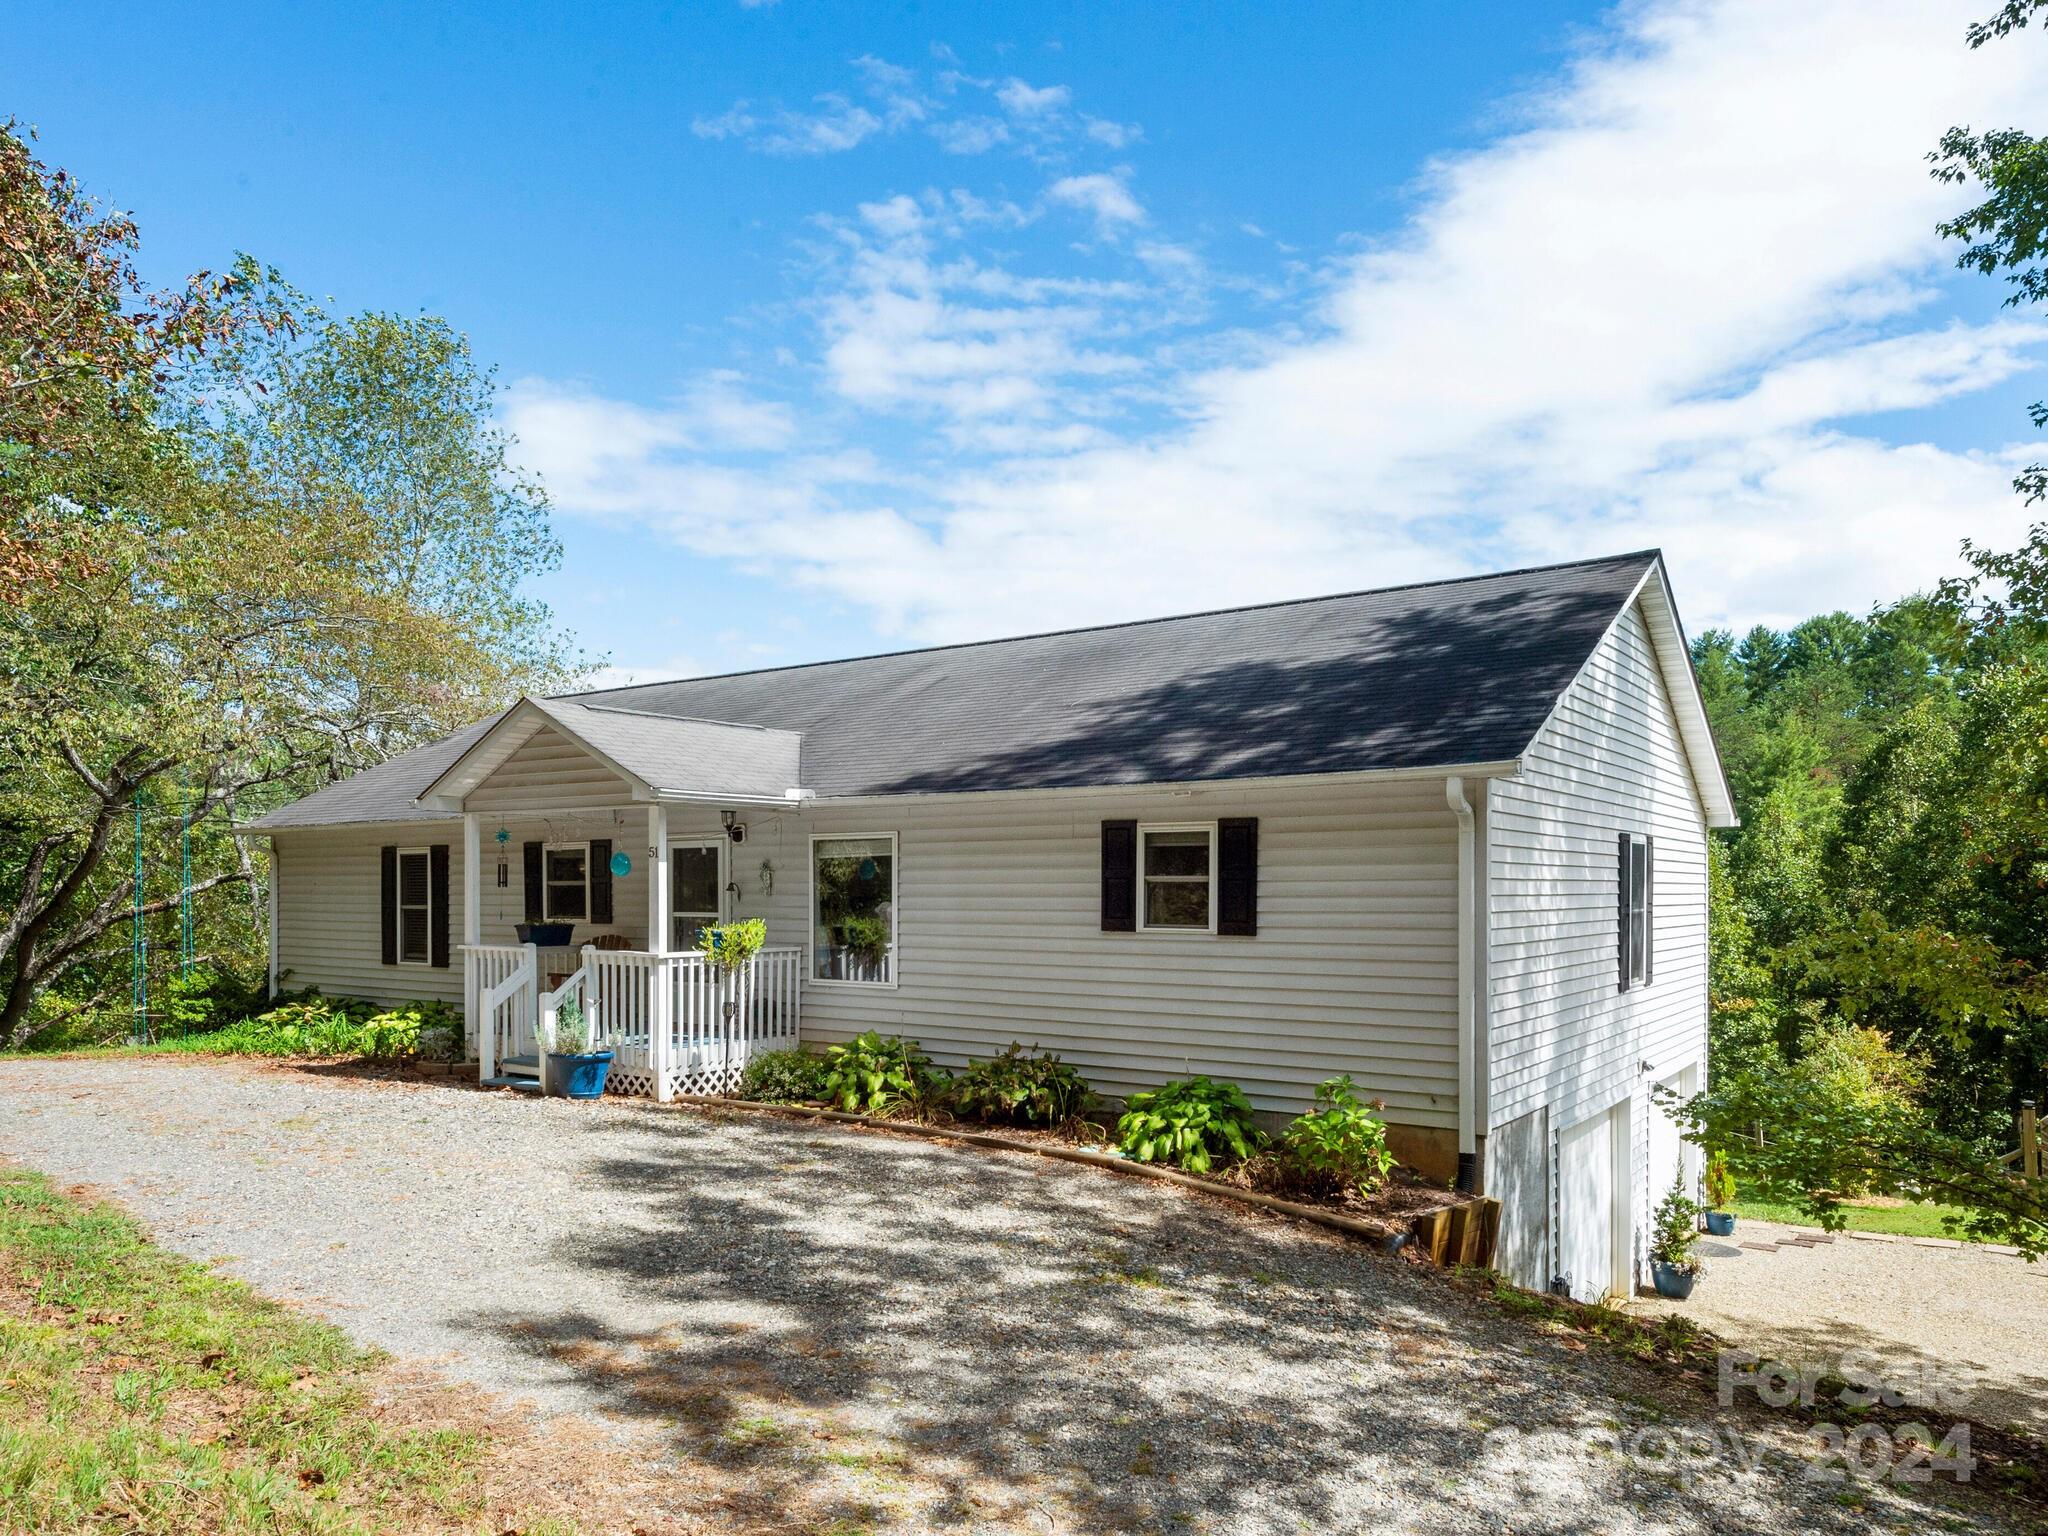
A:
{"x":1655,"y":311}
{"x":1103,"y":195}
{"x":1023,"y":100}
{"x":1115,"y":135}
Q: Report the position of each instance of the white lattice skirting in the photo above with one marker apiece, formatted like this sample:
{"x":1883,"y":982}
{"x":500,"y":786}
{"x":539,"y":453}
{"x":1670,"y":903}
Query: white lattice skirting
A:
{"x":700,"y":1077}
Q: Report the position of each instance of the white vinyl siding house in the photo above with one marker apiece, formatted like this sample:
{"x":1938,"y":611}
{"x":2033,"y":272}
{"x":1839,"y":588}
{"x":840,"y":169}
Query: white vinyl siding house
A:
{"x":1233,"y":844}
{"x":1565,"y":1041}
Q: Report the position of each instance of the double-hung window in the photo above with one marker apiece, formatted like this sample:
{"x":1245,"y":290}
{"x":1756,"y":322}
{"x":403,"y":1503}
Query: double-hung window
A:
{"x":853,"y":909}
{"x":415,"y":907}
{"x":1636,"y":910}
{"x":1176,"y":878}
{"x":566,"y":875}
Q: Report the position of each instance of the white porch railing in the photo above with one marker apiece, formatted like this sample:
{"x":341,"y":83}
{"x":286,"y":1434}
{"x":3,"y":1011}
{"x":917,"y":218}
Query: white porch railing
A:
{"x":674,"y":1023}
{"x":500,"y":982}
{"x":679,"y":1024}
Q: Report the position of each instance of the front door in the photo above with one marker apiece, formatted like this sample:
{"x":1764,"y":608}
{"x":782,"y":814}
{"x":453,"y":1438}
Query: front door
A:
{"x":696,"y":883}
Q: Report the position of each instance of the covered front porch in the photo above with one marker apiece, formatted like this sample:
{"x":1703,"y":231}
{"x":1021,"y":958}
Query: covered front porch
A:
{"x":555,"y":800}
{"x":675,"y":1022}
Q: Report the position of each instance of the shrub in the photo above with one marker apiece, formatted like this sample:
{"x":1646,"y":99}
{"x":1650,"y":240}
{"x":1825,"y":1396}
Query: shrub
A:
{"x":867,"y":938}
{"x":1339,"y":1145}
{"x":784,"y":1077}
{"x":1675,"y":1236}
{"x":203,"y":998}
{"x":422,"y":1028}
{"x":872,"y":1076}
{"x":1194,"y":1124}
{"x":1720,"y":1183}
{"x":1022,"y":1087}
{"x":309,"y":1025}
{"x":732,"y":945}
{"x":572,"y":1029}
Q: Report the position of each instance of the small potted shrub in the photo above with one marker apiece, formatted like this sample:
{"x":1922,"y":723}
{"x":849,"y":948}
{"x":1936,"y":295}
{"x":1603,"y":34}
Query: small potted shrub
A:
{"x":1674,"y":1243}
{"x":1720,"y":1195}
{"x":574,"y":1070}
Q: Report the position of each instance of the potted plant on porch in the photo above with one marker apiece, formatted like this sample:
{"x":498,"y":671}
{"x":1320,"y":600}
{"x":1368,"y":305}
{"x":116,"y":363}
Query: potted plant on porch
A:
{"x":1674,"y":1243}
{"x":574,"y":1070}
{"x":1720,"y":1195}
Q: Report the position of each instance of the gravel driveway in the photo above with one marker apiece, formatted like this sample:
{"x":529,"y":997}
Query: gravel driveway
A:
{"x":1967,"y":1320}
{"x":923,"y":1337}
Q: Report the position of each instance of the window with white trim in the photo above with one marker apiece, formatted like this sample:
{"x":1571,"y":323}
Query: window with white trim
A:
{"x":1638,"y":909}
{"x":415,"y":906}
{"x":853,"y":909}
{"x":1177,"y":878}
{"x":565,"y":873}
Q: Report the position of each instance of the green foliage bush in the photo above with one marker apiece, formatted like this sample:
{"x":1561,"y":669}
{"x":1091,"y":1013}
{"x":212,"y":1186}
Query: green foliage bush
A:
{"x":206,"y":997}
{"x":430,"y":1029}
{"x":1675,"y":1230}
{"x":867,"y":938}
{"x":1020,"y":1087}
{"x":312,"y":1025}
{"x":784,"y":1077}
{"x":572,"y":1029}
{"x":872,"y":1076}
{"x":1196,"y":1124}
{"x":732,"y":945}
{"x":1339,"y":1145}
{"x":1720,"y":1183}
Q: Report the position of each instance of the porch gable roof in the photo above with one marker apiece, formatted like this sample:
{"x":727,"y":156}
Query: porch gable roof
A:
{"x":656,"y":757}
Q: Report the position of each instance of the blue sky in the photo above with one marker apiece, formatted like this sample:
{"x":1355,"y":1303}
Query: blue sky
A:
{"x":838,"y":328}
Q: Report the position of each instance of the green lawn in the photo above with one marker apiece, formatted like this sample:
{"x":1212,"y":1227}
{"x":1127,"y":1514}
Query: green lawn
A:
{"x":140,"y":1392}
{"x":1910,"y":1220}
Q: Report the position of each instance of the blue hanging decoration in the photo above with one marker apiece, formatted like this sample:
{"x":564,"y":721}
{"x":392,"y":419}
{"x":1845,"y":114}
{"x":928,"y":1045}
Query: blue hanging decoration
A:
{"x":622,"y":865}
{"x":867,"y":869}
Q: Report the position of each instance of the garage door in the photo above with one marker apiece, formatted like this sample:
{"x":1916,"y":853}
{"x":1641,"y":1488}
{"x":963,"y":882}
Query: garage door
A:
{"x":1586,"y":1192}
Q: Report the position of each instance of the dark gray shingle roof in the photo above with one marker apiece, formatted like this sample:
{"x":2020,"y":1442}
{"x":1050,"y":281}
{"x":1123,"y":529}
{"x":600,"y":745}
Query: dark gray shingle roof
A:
{"x":1432,"y":675}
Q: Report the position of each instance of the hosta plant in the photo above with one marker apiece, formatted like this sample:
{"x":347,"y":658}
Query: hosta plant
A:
{"x":869,"y":1075}
{"x":1197,"y":1124}
{"x":1021,"y":1087}
{"x":1338,"y":1146}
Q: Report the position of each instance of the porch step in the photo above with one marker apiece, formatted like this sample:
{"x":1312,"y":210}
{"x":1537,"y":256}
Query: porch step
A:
{"x":520,"y":1066}
{"x":522,"y":1084}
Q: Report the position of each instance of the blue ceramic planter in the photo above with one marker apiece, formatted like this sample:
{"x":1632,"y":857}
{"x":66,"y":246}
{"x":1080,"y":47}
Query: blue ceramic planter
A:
{"x":578,"y":1074}
{"x":1675,"y":1283}
{"x":1721,"y":1223}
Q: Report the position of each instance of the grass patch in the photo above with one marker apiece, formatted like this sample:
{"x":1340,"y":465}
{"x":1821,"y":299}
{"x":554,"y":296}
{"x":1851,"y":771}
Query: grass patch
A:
{"x":140,"y":1392}
{"x":1922,"y":1219}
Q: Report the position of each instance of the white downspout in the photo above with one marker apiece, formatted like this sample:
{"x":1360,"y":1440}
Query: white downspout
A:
{"x":1468,"y":1142}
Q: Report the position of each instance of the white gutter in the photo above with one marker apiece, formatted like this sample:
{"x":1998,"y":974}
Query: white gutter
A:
{"x":1468,"y":1142}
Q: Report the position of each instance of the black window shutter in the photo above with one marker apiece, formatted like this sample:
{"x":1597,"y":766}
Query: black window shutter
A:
{"x":536,"y":907}
{"x":1119,"y":876}
{"x":1649,"y":909}
{"x":388,"y":904}
{"x":600,"y":880}
{"x":1621,"y":922}
{"x":1237,"y":875}
{"x":437,"y":881}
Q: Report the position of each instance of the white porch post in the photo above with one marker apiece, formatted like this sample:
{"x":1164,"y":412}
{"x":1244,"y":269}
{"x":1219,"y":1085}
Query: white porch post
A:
{"x":661,"y":1013}
{"x":472,"y":917}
